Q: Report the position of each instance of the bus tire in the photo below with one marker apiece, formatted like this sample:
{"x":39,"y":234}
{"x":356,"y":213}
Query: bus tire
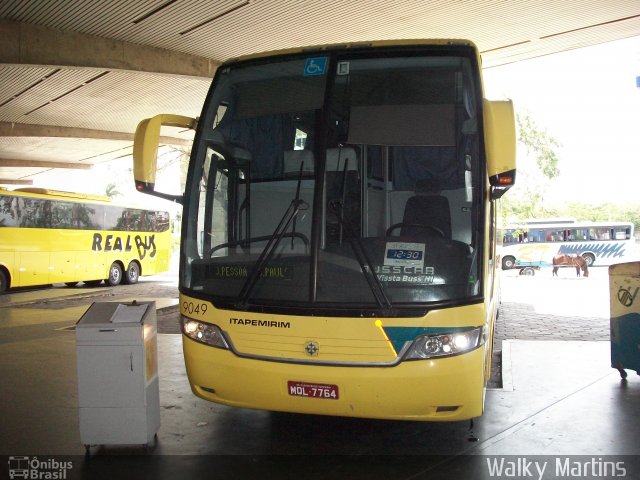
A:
{"x":528,"y":272}
{"x":132,"y":274}
{"x":508,"y":263}
{"x":115,"y":275}
{"x":3,"y":282}
{"x":590,"y":258}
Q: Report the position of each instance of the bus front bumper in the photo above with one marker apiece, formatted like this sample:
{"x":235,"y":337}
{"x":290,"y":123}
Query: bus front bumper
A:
{"x":443,"y":389}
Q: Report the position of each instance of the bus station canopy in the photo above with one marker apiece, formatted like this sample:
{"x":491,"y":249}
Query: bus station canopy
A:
{"x":76,"y":78}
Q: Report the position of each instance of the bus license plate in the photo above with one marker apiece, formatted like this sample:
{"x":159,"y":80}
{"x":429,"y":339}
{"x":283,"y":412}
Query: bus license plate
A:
{"x":313,"y":390}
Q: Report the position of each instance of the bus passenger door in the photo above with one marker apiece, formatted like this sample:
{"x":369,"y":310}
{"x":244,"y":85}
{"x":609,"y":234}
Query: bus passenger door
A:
{"x":492,"y":287}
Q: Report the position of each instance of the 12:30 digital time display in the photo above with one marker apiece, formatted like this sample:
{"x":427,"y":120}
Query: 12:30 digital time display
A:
{"x":404,"y":254}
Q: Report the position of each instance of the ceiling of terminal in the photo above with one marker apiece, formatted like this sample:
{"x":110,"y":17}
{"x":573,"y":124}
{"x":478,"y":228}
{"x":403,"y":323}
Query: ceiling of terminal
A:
{"x":77,"y":77}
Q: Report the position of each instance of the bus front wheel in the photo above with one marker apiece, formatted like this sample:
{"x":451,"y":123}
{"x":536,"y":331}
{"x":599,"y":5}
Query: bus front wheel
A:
{"x":508,"y":263}
{"x":133,"y":273}
{"x":589,"y":258}
{"x":115,"y":274}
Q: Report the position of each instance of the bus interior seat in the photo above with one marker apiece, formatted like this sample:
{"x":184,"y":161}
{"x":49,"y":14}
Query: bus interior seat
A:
{"x":431,"y":210}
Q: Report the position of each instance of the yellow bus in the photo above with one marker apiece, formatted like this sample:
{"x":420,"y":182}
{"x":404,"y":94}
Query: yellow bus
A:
{"x":338,"y":250}
{"x":49,"y":236}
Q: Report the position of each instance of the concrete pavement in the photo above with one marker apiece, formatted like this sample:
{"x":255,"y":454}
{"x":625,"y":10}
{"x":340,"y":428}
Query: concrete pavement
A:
{"x":560,"y":396}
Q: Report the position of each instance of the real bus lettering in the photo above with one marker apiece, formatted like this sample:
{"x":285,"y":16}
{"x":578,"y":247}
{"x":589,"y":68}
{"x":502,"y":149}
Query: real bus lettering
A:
{"x":144,"y":244}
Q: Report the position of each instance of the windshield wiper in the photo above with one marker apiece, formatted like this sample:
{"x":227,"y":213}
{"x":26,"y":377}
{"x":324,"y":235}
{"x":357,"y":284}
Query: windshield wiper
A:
{"x":366,"y":265}
{"x":290,"y":215}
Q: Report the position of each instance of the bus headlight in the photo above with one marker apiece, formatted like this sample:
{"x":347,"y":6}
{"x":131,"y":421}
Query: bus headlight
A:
{"x":445,"y":344}
{"x":204,"y":333}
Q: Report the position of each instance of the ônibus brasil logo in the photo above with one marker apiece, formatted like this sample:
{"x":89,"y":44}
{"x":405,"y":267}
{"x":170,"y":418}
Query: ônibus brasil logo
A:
{"x":38,"y":469}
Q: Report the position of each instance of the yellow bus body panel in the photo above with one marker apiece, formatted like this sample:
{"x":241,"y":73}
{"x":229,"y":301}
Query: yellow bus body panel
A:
{"x":38,"y":256}
{"x":354,"y":354}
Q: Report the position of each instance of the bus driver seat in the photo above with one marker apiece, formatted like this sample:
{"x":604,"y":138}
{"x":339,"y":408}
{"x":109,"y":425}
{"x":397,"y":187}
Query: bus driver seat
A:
{"x":425,"y":215}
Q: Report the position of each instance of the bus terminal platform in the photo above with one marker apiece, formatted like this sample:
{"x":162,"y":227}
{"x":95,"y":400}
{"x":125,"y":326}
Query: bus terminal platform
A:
{"x":557,"y":395}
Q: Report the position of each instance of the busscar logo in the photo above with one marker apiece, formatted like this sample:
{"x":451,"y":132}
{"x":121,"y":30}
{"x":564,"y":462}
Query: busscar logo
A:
{"x":312,"y":348}
{"x":38,"y":469}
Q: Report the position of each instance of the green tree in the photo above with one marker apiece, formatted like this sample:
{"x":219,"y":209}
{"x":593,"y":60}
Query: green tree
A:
{"x":538,"y":163}
{"x":603,"y":212}
{"x":112,"y":190}
{"x":539,"y":143}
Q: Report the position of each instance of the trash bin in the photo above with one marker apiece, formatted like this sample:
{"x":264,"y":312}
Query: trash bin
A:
{"x":624,"y":299}
{"x":118,"y":389}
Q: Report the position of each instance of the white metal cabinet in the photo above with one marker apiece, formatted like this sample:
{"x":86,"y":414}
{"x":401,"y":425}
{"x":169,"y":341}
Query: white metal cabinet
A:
{"x":118,"y":390}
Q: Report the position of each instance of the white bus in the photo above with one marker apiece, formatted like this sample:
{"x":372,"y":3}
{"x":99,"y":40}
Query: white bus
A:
{"x":535,"y":244}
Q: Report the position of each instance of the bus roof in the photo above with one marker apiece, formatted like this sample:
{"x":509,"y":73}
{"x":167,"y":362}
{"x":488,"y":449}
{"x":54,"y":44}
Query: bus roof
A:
{"x":549,"y":221}
{"x":356,"y":45}
{"x":568,"y":225}
{"x":61,"y":193}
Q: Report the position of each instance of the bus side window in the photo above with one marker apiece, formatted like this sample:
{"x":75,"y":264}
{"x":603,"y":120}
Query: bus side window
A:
{"x":61,"y":214}
{"x":9,"y":214}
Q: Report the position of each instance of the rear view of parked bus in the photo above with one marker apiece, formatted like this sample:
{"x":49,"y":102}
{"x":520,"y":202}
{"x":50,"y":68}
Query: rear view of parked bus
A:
{"x":338,"y":247}
{"x":599,"y":243}
{"x":51,"y":237}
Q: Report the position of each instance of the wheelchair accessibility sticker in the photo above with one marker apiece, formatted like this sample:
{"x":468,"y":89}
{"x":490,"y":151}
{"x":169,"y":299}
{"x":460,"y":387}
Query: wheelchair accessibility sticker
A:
{"x":315,"y":66}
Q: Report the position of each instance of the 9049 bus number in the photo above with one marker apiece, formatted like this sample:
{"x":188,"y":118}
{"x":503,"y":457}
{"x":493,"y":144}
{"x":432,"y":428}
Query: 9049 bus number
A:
{"x":194,"y":308}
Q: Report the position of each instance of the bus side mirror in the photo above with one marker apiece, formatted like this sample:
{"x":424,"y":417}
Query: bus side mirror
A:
{"x":500,"y":143}
{"x":145,"y":151}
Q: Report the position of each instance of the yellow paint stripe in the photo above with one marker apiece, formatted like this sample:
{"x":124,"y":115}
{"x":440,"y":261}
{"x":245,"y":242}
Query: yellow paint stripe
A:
{"x":384,"y":334}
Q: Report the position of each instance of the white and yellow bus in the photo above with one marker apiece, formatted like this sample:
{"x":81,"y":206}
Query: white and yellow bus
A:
{"x":338,"y":243}
{"x":49,"y":236}
{"x":535,"y":243}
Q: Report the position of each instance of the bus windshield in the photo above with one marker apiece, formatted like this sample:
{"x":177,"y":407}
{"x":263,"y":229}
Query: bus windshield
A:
{"x":338,"y":181}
